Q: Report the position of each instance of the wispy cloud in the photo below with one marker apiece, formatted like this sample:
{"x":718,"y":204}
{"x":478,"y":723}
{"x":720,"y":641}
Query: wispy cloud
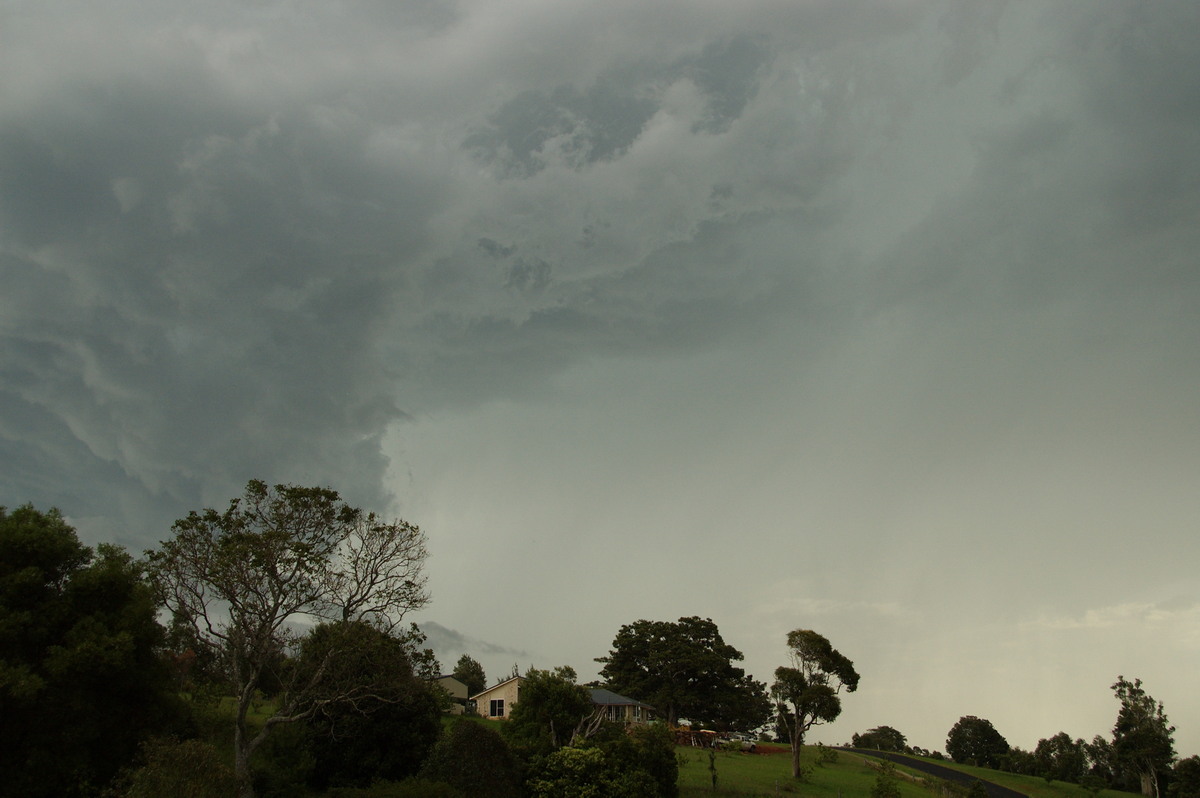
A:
{"x":1180,"y":621}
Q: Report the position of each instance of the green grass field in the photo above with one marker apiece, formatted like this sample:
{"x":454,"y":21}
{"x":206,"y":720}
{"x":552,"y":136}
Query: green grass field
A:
{"x":748,"y":775}
{"x":741,"y":774}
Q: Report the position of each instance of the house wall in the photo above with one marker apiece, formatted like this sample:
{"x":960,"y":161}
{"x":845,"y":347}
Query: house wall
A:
{"x":625,"y":713}
{"x":507,"y":692}
{"x":456,"y":689}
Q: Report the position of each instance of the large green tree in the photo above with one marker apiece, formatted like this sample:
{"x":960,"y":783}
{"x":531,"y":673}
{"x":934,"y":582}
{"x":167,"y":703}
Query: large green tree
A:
{"x":1185,"y":781}
{"x":475,"y":760}
{"x":470,"y":672}
{"x":881,"y":738}
{"x":975,"y":741}
{"x":552,"y":711}
{"x":806,"y":692}
{"x":385,"y":733}
{"x":1143,"y":743}
{"x":278,"y":555}
{"x":684,"y":669}
{"x":1060,"y":757}
{"x":81,"y":683}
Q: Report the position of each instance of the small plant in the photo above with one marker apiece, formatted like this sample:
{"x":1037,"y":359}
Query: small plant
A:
{"x":826,"y":755}
{"x":885,"y":783}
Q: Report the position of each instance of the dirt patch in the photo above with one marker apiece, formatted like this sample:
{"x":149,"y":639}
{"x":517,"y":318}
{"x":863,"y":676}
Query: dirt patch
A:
{"x":767,"y":748}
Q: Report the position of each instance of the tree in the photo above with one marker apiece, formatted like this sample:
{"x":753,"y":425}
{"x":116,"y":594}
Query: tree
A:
{"x":881,"y":738}
{"x":1101,"y":759}
{"x":277,"y":556}
{"x":806,"y":693}
{"x":885,"y":782}
{"x":975,"y":741}
{"x":684,"y":669}
{"x":475,"y":760}
{"x":350,"y":744}
{"x":553,"y":710}
{"x":1060,"y":757}
{"x":81,"y":684}
{"x":649,"y":748}
{"x":470,"y":673}
{"x":1185,"y":782}
{"x":1142,"y":737}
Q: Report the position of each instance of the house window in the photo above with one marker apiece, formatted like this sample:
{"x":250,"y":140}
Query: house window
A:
{"x":497,"y":708}
{"x":637,"y":713}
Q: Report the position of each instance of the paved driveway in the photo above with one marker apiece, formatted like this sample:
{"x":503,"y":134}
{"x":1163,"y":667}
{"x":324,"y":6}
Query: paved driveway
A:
{"x":949,"y":774}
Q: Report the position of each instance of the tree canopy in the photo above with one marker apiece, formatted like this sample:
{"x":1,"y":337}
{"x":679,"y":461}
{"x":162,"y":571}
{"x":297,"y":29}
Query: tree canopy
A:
{"x":281,"y":555}
{"x":553,"y":709}
{"x":387,"y":736}
{"x":975,"y":741}
{"x":881,"y":738}
{"x":470,"y":673}
{"x":684,"y":669}
{"x":1060,"y":757}
{"x":81,"y":684}
{"x":806,"y":693}
{"x":1143,"y":741}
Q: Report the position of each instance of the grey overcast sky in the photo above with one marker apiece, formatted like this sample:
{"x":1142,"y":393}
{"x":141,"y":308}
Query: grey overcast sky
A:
{"x":875,"y":318}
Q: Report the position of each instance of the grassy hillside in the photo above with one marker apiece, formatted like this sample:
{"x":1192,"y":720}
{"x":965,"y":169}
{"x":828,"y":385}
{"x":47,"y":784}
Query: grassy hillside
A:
{"x":741,"y":774}
{"x":770,"y":774}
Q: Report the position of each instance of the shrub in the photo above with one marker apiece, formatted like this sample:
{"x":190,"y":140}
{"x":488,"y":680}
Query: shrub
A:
{"x":475,"y":760}
{"x":587,"y":773}
{"x":409,"y":788}
{"x":187,"y":769}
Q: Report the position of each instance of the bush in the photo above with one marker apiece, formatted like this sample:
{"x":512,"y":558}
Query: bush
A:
{"x":587,"y":773}
{"x":409,"y":788}
{"x":475,"y":760}
{"x":187,"y":769}
{"x":390,"y":743}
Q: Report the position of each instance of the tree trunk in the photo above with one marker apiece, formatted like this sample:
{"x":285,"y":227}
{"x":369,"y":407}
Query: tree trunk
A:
{"x":797,"y":744}
{"x":241,"y":762}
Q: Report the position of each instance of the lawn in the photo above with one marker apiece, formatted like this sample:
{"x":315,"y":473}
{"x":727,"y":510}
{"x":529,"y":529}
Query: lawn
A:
{"x":761,"y":774}
{"x":740,"y":774}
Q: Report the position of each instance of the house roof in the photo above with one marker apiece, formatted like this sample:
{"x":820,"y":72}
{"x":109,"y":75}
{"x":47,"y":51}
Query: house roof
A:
{"x":498,"y":684}
{"x":609,"y":698}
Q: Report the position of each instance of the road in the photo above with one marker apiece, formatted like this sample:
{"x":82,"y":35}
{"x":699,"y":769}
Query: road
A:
{"x":949,"y":774}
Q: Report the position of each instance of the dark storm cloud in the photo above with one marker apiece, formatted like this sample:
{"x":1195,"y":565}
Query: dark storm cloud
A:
{"x":240,"y":241}
{"x":601,"y":121}
{"x":194,"y":292}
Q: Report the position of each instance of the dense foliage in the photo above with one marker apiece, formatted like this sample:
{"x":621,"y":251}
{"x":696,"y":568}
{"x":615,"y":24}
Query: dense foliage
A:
{"x":638,"y":762}
{"x":551,"y":712}
{"x":80,"y":682}
{"x":881,"y":738}
{"x":475,"y":760}
{"x":685,"y":670}
{"x":354,"y":742}
{"x":470,"y":673}
{"x":975,"y":741}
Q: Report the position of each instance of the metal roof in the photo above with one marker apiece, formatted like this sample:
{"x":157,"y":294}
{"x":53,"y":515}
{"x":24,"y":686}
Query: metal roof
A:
{"x":609,"y":698}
